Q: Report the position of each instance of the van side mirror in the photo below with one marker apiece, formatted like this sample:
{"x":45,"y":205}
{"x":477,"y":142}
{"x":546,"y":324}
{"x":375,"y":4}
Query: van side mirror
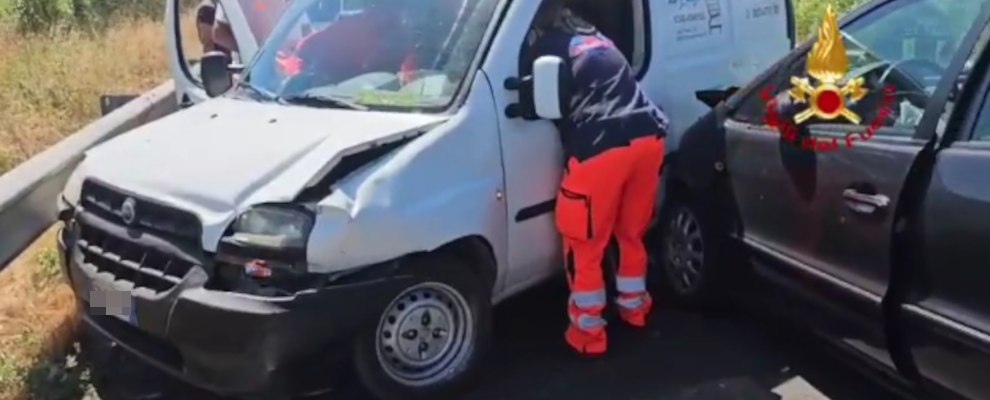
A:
{"x":550,"y":87}
{"x":215,"y":72}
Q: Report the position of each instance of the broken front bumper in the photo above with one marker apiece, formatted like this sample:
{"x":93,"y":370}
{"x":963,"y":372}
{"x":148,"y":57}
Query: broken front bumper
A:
{"x":229,"y":343}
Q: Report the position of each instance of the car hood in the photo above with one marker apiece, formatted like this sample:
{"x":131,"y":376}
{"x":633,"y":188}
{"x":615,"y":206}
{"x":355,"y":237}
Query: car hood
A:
{"x":224,"y":155}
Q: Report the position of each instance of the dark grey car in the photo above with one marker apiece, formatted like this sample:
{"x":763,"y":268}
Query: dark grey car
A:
{"x":884,"y":245}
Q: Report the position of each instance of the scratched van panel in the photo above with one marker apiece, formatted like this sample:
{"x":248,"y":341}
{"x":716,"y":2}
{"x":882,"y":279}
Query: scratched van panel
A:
{"x":759,"y":21}
{"x":717,"y":43}
{"x":692,"y":41}
{"x":689,"y":26}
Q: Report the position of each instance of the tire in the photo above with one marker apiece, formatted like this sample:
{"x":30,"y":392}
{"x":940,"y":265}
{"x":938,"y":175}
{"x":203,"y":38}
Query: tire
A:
{"x":691,"y":265}
{"x":458,"y":303}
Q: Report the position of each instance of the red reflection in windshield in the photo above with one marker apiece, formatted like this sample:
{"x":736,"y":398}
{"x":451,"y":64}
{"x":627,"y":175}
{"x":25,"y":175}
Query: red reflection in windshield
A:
{"x":394,"y":37}
{"x":374,"y":40}
{"x":261,"y":16}
{"x":289,"y":63}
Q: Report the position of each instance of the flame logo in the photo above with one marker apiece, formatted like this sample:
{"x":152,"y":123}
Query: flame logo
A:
{"x":828,"y":64}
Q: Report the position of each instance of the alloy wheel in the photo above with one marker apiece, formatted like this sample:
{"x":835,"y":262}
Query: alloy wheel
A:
{"x":685,"y":255}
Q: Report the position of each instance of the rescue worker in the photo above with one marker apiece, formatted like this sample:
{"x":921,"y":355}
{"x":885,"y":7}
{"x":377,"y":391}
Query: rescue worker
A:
{"x":205,"y":18}
{"x":613,"y":139}
{"x":223,"y":35}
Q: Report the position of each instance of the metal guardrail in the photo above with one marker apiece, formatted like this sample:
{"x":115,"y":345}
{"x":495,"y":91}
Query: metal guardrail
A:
{"x":29,"y":192}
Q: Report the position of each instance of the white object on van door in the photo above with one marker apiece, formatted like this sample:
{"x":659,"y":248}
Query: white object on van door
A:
{"x":546,"y":87}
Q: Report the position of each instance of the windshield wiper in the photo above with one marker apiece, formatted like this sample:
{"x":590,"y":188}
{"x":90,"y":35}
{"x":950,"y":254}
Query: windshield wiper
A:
{"x":318,"y":100}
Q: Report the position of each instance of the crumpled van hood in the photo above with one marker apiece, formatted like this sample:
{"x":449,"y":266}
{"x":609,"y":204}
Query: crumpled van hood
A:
{"x":225,"y":154}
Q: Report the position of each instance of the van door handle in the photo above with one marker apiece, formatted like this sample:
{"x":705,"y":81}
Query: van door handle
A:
{"x":864,"y":203}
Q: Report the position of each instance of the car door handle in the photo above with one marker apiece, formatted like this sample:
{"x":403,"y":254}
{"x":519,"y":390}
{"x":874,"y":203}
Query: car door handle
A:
{"x":864,"y":203}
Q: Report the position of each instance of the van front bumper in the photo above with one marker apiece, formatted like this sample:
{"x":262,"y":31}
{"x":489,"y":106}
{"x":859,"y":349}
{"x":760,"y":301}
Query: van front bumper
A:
{"x":233,"y":344}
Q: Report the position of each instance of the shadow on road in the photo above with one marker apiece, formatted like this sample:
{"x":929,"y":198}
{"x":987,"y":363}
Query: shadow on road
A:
{"x":681,"y":356}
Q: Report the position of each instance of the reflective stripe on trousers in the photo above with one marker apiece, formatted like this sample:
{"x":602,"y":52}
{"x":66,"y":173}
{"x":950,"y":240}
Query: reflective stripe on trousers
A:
{"x":632,"y":292}
{"x":630,"y":285}
{"x":591,"y":300}
{"x":587,"y":322}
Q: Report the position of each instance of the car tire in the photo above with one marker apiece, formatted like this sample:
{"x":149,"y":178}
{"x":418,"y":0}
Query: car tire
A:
{"x":690,"y":259}
{"x":446,"y":313}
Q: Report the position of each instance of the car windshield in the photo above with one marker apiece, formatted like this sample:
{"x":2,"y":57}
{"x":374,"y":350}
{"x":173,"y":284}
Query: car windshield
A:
{"x":917,"y":37}
{"x":404,"y":55}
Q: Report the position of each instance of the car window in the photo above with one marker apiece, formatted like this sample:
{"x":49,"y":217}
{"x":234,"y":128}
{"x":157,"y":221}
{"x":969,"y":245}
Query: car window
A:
{"x":981,"y":128}
{"x":981,"y":131}
{"x":350,"y":7}
{"x":905,"y":46}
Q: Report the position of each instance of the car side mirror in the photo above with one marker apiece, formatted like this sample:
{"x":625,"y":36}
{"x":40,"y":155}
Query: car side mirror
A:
{"x":214,"y":68}
{"x":550,"y":87}
{"x":713,"y":97}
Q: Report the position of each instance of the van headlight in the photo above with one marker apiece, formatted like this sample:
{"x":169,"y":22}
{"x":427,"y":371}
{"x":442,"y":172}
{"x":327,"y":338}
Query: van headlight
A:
{"x":273,"y":227}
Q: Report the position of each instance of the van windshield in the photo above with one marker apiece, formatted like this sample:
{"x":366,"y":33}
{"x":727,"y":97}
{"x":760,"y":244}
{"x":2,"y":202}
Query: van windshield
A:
{"x":402,"y":55}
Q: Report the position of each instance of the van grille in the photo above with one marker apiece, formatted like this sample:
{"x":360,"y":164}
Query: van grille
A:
{"x":172,"y":223}
{"x":129,"y":262}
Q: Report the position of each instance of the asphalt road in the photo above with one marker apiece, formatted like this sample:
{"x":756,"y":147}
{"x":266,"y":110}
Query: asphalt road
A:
{"x":681,"y":356}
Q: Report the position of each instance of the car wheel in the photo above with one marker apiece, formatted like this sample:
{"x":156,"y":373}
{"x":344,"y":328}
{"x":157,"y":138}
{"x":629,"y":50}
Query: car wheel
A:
{"x":691,"y":250}
{"x":429,"y":341}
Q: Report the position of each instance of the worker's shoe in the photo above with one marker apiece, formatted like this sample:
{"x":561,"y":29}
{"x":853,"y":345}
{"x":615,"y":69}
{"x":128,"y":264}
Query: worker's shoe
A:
{"x":635,"y":308}
{"x":587,"y":342}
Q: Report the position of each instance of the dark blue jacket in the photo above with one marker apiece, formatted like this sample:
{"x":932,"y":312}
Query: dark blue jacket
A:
{"x":607,"y":107}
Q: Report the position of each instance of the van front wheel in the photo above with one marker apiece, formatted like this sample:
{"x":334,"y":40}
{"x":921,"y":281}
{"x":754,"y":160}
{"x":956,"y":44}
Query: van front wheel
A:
{"x":429,"y":340}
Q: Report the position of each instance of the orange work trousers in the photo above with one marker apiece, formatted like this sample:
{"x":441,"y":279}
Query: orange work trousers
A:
{"x":610,"y":194}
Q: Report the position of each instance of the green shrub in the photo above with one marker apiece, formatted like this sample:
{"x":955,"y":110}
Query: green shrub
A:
{"x":809,"y":13}
{"x":57,"y":16}
{"x":38,"y":16}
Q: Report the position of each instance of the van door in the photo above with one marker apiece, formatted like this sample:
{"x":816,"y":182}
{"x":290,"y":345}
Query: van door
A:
{"x":250,"y":22}
{"x":532,"y":161}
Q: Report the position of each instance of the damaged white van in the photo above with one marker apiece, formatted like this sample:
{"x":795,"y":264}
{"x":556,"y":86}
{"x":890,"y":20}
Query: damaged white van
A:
{"x":300,"y":220}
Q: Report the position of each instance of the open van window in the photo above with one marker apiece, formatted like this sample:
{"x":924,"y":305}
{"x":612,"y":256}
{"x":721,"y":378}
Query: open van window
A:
{"x":396,"y":54}
{"x":622,"y":21}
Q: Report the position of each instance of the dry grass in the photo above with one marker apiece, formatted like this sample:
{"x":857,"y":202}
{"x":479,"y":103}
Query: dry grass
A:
{"x":36,"y":316}
{"x":49,"y":88}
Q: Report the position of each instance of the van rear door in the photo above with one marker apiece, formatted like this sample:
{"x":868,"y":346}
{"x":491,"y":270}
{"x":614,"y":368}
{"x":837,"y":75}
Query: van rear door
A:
{"x":712,"y":44}
{"x":250,"y":22}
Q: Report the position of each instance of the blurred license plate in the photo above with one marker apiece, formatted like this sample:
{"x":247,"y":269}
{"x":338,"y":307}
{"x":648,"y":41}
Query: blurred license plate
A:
{"x":105,"y":300}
